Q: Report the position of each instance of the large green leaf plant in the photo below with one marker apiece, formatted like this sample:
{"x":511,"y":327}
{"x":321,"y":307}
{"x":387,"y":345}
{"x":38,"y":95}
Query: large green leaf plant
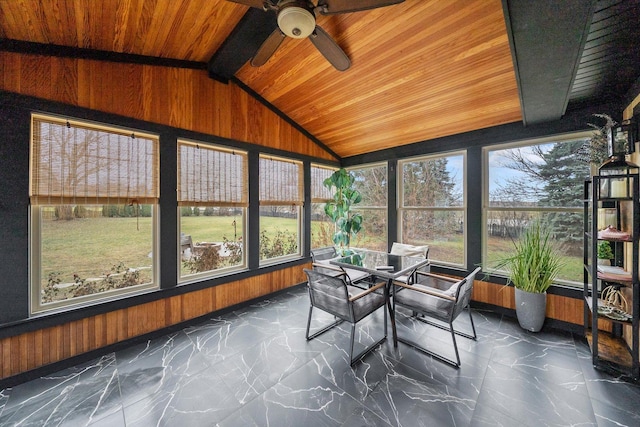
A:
{"x":348,"y":223}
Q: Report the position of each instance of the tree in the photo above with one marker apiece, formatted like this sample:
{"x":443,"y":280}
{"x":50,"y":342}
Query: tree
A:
{"x":564,"y":177}
{"x":553,"y":176}
{"x":62,"y":158}
{"x":372,"y":184}
{"x":427,"y":183}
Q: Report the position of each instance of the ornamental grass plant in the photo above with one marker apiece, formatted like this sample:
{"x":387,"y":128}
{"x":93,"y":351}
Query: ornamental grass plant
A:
{"x":535,"y":263}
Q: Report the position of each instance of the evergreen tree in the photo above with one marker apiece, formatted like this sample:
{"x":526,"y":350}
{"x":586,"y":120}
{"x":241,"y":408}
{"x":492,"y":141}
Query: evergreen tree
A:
{"x":564,"y":174}
{"x":555,"y":178}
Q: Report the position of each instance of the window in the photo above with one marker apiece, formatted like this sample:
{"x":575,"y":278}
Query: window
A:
{"x":212,"y":199}
{"x":372,"y":183}
{"x":432,"y":205}
{"x":281,"y":199}
{"x":322,"y":228}
{"x":537,"y":180}
{"x":93,"y":193}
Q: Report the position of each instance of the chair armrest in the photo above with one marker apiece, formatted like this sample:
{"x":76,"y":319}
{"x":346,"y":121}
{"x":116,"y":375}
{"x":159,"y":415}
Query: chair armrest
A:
{"x":368,"y":291}
{"x":437,"y":276}
{"x":428,"y":292}
{"x":329,"y":267}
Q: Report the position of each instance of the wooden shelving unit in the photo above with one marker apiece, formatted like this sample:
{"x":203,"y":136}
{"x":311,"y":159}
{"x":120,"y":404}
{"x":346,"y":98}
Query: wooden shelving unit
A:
{"x":612,"y":335}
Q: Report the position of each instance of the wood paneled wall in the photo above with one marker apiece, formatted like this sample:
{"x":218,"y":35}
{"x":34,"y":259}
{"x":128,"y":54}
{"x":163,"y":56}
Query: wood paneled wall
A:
{"x":32,"y":350}
{"x":185,"y":99}
{"x":570,"y":310}
{"x":182,"y":98}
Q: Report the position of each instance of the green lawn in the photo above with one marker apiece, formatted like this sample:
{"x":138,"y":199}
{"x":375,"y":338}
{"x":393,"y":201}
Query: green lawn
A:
{"x":571,"y":265}
{"x":70,"y":247}
{"x":216,"y":228}
{"x":73,"y":246}
{"x":212,"y":228}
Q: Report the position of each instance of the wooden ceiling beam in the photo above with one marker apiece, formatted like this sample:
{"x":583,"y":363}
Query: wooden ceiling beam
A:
{"x":242,"y":44}
{"x":34,"y":48}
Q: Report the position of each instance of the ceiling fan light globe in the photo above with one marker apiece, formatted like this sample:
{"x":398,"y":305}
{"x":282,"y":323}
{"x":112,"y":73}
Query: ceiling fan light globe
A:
{"x":296,"y":22}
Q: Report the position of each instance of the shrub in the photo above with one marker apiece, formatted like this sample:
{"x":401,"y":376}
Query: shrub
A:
{"x":119,"y":277}
{"x":50,"y":291}
{"x":283,"y":243}
{"x":209,"y":259}
{"x":234,"y":248}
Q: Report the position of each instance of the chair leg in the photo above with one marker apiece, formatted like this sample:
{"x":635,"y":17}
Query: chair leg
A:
{"x":353,"y":337}
{"x":473,"y":327}
{"x":432,"y":354}
{"x":445,"y":328}
{"x":367,"y":350}
{"x":384,"y":309}
{"x":452,"y":331}
{"x":455,"y":344}
{"x":321,"y":331}
{"x":309,"y":322}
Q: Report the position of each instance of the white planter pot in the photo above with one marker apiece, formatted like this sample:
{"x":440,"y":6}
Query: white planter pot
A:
{"x":531,"y":309}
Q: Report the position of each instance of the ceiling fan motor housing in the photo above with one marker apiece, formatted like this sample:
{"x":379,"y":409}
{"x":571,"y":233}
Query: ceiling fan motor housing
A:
{"x":296,"y":21}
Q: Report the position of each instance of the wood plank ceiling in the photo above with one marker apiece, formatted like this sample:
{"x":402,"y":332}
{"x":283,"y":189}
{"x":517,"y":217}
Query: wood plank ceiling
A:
{"x":420,"y":70}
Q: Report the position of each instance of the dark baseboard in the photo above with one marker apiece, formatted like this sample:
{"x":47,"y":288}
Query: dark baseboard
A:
{"x":549,"y":324}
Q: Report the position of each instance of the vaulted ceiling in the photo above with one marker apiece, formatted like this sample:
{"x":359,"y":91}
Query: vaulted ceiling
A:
{"x":420,"y":70}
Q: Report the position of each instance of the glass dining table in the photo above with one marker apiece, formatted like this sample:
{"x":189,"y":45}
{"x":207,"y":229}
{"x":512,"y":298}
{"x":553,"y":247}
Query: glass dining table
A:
{"x":382,"y":265}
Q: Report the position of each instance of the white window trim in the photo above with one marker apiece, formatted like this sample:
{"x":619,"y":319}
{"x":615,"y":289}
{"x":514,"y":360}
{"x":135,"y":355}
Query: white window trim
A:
{"x":36,"y":307}
{"x":300,"y":215}
{"x":185,"y":279}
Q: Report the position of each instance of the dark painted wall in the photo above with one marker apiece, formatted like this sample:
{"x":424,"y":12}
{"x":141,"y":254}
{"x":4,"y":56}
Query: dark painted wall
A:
{"x":14,"y":214}
{"x":14,"y":201}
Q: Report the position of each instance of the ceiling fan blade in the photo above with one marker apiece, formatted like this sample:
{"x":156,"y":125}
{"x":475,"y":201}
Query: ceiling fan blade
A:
{"x":331,"y":7}
{"x":268,"y":48}
{"x":253,"y":3}
{"x":330,"y":49}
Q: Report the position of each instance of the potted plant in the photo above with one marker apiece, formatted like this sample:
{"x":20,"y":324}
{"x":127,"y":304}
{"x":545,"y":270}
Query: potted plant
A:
{"x":605,"y":253}
{"x":348,"y":224}
{"x":532,"y":269}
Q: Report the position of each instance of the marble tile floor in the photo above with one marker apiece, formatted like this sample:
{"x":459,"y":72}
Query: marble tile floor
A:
{"x":253,"y":367}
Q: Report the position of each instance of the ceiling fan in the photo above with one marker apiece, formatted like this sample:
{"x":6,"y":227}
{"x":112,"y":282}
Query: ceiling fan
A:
{"x":297,"y":19}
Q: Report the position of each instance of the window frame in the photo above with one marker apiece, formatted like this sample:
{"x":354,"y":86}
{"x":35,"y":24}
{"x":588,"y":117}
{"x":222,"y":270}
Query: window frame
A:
{"x":298,"y":203}
{"x":463,"y":208}
{"x":243,"y":205}
{"x":36,"y":306}
{"x":320,"y":200}
{"x":487,"y":208}
{"x":385,"y":209}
